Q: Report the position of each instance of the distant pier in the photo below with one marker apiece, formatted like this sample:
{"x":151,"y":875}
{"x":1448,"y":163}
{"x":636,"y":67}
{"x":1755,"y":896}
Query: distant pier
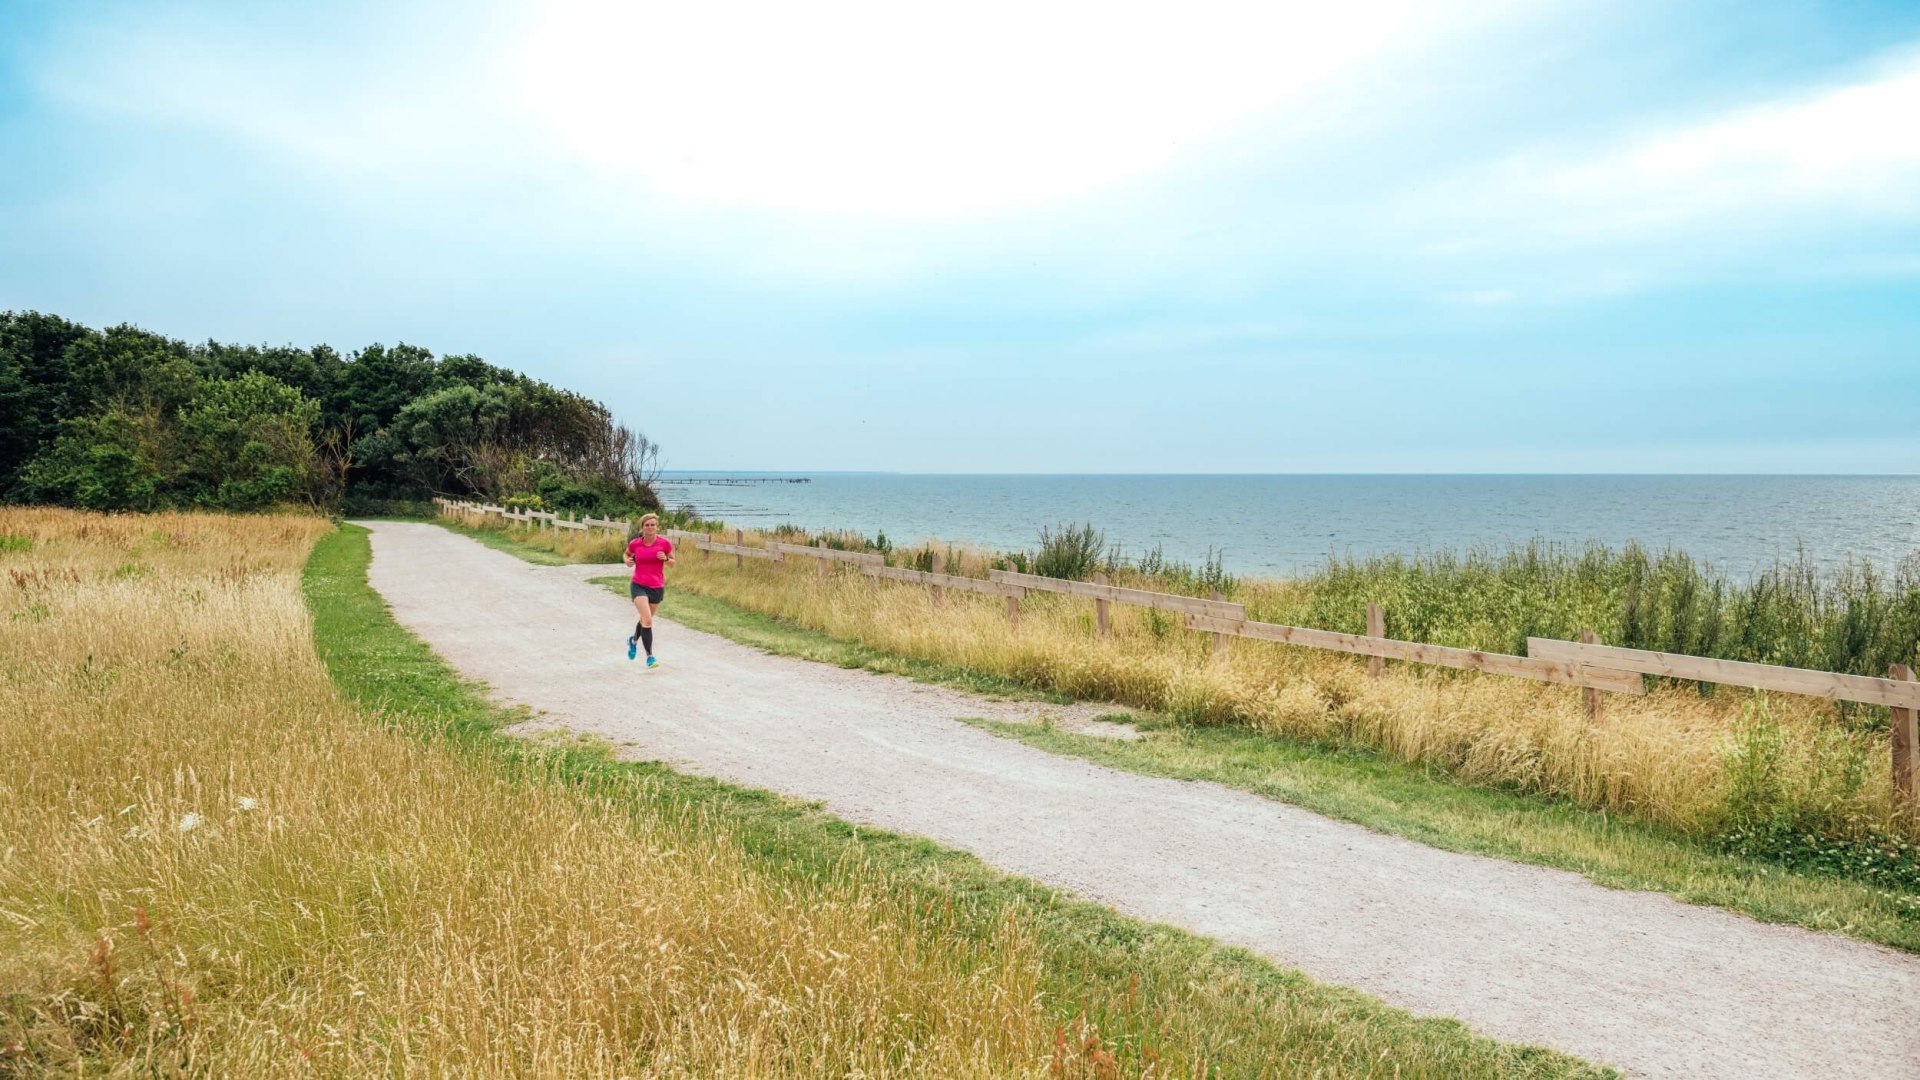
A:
{"x":734,"y":481}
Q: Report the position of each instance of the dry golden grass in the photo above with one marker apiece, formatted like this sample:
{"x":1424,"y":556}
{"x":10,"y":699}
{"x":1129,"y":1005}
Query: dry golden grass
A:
{"x":1667,"y":758}
{"x":211,"y":866}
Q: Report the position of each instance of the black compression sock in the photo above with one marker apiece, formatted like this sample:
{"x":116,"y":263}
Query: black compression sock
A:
{"x":636,"y":630}
{"x":646,"y":638}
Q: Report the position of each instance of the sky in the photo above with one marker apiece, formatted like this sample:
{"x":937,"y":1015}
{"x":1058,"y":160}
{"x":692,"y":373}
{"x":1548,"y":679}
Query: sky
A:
{"x":1377,"y":236}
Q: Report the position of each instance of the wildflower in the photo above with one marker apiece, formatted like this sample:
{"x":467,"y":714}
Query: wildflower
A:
{"x":189,"y":821}
{"x":246,"y":802}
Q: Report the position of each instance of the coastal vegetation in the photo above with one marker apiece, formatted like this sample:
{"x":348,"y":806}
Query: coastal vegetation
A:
{"x":1855,"y":618}
{"x":1795,"y":780}
{"x":254,"y":828}
{"x":126,"y":419}
{"x":1363,"y":786}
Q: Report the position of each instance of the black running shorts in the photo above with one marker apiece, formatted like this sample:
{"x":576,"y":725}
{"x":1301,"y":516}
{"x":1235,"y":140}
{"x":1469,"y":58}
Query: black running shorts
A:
{"x":654,"y":596}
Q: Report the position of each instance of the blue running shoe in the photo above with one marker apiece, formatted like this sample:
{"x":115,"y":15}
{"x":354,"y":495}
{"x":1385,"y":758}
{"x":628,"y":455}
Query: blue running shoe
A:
{"x":653,"y":661}
{"x":632,"y":649}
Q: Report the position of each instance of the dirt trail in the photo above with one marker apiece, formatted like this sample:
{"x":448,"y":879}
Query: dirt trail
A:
{"x":1636,"y":980}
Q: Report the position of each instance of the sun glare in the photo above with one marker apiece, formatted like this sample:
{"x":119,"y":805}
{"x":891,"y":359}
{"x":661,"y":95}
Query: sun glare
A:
{"x":904,"y":110}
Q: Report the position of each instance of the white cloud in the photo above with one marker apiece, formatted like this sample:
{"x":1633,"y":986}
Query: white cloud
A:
{"x":1853,"y":147}
{"x":843,"y":107}
{"x":872,"y":107}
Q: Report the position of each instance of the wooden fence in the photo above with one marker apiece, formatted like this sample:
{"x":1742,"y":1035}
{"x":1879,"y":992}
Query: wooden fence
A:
{"x":534,"y":518}
{"x":1587,"y":664}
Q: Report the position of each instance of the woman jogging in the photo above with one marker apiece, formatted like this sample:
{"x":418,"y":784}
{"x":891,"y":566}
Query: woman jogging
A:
{"x":649,"y":554}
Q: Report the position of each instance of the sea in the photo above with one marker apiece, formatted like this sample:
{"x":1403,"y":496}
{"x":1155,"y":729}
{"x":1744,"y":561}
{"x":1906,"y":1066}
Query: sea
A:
{"x":1286,"y":525}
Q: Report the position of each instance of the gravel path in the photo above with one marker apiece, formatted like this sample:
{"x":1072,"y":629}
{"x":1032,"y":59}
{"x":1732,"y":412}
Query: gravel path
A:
{"x":1636,"y":980}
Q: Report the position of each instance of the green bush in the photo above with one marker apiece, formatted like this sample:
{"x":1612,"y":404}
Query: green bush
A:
{"x":1170,"y":575}
{"x":1072,"y":552}
{"x":355,"y":504}
{"x":246,"y":443}
{"x":112,"y":461}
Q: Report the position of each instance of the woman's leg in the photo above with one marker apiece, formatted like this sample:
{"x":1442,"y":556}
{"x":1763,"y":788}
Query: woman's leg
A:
{"x":644,"y":631}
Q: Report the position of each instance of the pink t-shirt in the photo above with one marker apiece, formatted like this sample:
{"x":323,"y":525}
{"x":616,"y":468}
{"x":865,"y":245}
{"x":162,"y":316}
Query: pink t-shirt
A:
{"x":649,"y":568}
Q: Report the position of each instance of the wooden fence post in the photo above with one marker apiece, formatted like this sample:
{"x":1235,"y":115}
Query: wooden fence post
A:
{"x":739,"y":540}
{"x":939,"y":567}
{"x":1589,"y":696}
{"x":1219,"y":640}
{"x":820,"y":564}
{"x":1101,"y":618}
{"x":1013,"y":612}
{"x":1376,"y":627}
{"x":1906,"y":743}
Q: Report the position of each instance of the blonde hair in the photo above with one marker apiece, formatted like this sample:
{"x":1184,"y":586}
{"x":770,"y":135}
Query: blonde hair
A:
{"x":645,"y":517}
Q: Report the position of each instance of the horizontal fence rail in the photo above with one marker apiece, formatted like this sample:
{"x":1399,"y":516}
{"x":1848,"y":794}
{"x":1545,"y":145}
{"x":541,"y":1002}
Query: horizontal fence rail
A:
{"x":1823,"y":684}
{"x":740,"y":549}
{"x":946,"y":581}
{"x":1565,"y":673}
{"x":1192,"y":605}
{"x":538,"y":518}
{"x":863,"y":558}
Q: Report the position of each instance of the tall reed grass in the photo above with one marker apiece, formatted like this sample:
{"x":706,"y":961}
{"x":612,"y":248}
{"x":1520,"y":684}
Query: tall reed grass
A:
{"x":1673,"y":758}
{"x":1857,"y":618}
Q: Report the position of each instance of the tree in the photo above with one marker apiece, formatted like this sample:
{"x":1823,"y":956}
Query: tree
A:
{"x":378,"y":382}
{"x":111,"y":461}
{"x":247,"y":443}
{"x":335,"y":449}
{"x":450,"y":439}
{"x":124,"y":417}
{"x":132,"y":368}
{"x":36,"y":386}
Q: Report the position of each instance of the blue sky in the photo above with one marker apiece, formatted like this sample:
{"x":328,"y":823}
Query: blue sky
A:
{"x":1400,"y":236}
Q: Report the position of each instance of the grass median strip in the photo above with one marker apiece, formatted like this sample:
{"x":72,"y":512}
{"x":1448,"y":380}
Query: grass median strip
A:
{"x":1360,"y":786}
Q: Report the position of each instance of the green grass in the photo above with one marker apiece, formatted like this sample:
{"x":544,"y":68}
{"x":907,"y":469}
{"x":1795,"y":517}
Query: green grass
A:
{"x":1389,"y":797}
{"x":1139,"y":984}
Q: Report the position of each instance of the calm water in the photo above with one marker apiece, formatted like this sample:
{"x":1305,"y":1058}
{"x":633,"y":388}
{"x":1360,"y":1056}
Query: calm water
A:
{"x":1277,"y":525}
